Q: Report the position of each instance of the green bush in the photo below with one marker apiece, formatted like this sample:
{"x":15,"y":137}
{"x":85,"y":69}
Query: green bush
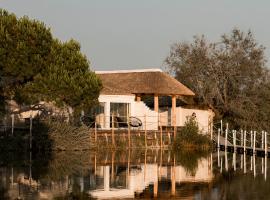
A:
{"x":189,"y":136}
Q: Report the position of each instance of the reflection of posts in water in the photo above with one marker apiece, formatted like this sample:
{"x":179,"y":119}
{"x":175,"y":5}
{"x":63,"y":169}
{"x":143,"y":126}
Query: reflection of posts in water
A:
{"x":234,"y":161}
{"x":173,"y":176}
{"x":241,"y":164}
{"x":221,"y":165}
{"x":226,"y":160}
{"x":262,"y":165}
{"x":211,"y":160}
{"x":218,"y":158}
{"x":106,"y":178}
{"x":113,"y":175}
{"x":254,"y":164}
{"x":30,"y":167}
{"x":145,"y":156}
{"x":251,"y":163}
{"x":265,"y":167}
{"x":95,"y":164}
{"x":245,"y":164}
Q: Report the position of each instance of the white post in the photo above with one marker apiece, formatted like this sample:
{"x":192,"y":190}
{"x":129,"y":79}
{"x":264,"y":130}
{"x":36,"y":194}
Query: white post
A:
{"x":254,"y":165}
{"x":245,"y":140}
{"x":221,"y":127}
{"x":234,"y":140}
{"x":218,"y":138}
{"x":251,"y":138}
{"x":254,"y":143}
{"x":265,"y":144}
{"x":226,"y":160}
{"x":234,"y":161}
{"x":245,"y":164}
{"x":262,"y":140}
{"x":241,"y":142}
{"x":226,"y":136}
{"x":218,"y":157}
{"x":265,"y":167}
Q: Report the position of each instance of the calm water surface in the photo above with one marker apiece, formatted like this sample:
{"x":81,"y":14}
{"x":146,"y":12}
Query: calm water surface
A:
{"x":133,"y":174}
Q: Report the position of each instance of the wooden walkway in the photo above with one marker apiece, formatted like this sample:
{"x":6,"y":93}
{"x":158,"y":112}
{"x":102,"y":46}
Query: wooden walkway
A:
{"x":241,"y":149}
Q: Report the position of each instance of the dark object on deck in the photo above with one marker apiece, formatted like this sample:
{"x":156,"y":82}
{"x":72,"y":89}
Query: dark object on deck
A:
{"x":88,"y":121}
{"x":133,"y":122}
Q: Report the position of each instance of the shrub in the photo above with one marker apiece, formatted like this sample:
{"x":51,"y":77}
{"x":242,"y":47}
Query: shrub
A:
{"x":189,"y":136}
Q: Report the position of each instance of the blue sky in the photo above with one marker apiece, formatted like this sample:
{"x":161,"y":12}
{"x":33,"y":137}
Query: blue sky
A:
{"x":128,"y":34}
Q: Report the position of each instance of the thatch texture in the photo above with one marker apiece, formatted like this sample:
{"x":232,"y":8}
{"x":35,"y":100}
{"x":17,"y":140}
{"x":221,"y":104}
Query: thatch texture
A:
{"x":149,"y":82}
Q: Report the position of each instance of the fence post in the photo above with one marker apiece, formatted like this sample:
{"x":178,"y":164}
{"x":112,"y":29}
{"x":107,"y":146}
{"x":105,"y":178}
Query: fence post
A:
{"x":218,"y":138}
{"x":254,"y":143}
{"x":129,"y":139}
{"x":262,"y":140}
{"x":251,"y":138}
{"x":245,"y":140}
{"x":265,"y":144}
{"x":161,"y":141}
{"x":226,"y":136}
{"x":113,"y":142}
{"x":234,"y":140}
{"x":241,"y":142}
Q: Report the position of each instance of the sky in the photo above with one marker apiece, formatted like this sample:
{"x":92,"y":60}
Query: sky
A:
{"x":137,"y":34}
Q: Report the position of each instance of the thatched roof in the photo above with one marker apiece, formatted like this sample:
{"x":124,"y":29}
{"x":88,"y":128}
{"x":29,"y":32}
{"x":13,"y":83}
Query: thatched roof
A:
{"x":141,"y":82}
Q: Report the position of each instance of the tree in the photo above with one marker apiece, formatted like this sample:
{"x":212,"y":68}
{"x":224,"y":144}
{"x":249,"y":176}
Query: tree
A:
{"x":230,"y":75}
{"x":35,"y":67}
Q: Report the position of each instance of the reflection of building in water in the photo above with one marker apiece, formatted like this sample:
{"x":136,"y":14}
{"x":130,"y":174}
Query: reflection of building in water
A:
{"x":118,"y":181}
{"x":138,"y":178}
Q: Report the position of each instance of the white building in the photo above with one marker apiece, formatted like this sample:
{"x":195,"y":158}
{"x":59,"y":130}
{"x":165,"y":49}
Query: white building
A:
{"x":122,"y":94}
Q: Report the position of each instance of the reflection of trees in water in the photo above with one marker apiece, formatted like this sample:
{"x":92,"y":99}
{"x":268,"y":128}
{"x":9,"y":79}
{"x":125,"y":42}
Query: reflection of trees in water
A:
{"x":3,"y":193}
{"x":189,"y":159}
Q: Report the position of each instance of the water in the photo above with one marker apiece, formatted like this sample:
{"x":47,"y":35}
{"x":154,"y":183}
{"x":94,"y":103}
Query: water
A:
{"x":132,"y":174}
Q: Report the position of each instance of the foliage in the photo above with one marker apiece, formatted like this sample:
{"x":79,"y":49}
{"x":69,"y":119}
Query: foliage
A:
{"x":229,"y":75}
{"x":189,"y":137}
{"x":36,"y":67}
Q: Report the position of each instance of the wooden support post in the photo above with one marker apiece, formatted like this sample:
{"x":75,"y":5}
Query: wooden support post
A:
{"x":221,"y":127}
{"x":234,"y":140}
{"x":173,"y":177}
{"x":265,"y":167}
{"x":113,"y":141}
{"x":145,"y":132}
{"x":173,"y":110}
{"x":226,"y":136}
{"x":254,"y":143}
{"x":265,"y":144}
{"x":251,"y":138}
{"x":241,"y":142}
{"x":129,"y":139}
{"x":156,"y":103}
{"x":218,"y":139}
{"x":161,"y":139}
{"x":262,"y":140}
{"x":245,"y":140}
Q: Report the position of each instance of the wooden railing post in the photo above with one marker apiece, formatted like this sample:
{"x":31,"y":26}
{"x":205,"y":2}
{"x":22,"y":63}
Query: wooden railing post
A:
{"x":129,"y":139}
{"x":145,"y":132}
{"x":113,"y":141}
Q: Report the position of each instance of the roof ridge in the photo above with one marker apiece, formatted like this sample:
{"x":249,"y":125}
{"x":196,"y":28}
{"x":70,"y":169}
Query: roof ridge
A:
{"x":129,"y":71}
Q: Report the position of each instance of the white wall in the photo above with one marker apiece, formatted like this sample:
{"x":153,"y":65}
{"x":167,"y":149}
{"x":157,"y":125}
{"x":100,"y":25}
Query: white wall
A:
{"x":137,"y":109}
{"x":203,"y":117}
